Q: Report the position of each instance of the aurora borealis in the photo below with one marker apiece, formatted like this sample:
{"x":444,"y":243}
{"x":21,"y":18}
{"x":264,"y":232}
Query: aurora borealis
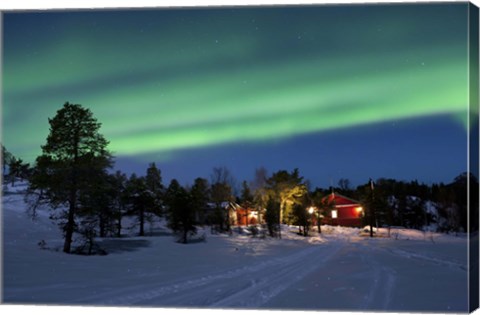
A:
{"x":175,"y":86}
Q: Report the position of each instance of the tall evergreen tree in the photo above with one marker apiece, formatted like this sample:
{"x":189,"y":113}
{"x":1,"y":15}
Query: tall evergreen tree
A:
{"x":286,"y":188}
{"x":301,"y":215}
{"x":139,"y":200}
{"x":14,"y":170}
{"x":181,"y":214}
{"x":246,"y":199}
{"x":272,"y":217}
{"x":322,"y":205}
{"x":96,"y":211}
{"x":220,"y":192}
{"x":260,"y":192}
{"x":154,"y":186}
{"x":6,"y":158}
{"x":200,"y":196}
{"x":120,"y":198}
{"x":74,"y":152}
{"x":463,"y":196}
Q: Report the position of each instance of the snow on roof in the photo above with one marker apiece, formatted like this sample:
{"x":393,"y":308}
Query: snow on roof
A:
{"x":224,"y":204}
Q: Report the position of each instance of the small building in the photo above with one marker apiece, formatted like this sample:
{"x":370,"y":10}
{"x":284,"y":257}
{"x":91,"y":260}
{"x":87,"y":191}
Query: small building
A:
{"x":232,"y":211}
{"x":247,"y":216}
{"x":345,"y":211}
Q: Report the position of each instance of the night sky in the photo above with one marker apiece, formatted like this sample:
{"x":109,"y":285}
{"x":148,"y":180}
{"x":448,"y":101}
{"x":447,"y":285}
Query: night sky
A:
{"x":344,"y":91}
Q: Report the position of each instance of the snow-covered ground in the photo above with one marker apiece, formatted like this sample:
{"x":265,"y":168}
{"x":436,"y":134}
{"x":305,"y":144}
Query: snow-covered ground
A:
{"x":339,"y":270}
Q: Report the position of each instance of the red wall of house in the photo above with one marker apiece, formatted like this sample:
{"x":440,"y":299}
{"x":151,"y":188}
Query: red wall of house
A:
{"x":346,"y":216}
{"x":242,"y":217}
{"x":348,"y":212}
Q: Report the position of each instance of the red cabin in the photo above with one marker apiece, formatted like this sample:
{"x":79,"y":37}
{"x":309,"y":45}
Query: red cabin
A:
{"x":345,"y":211}
{"x":246,"y":216}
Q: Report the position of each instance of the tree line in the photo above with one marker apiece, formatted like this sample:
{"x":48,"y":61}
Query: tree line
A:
{"x":74,"y":177}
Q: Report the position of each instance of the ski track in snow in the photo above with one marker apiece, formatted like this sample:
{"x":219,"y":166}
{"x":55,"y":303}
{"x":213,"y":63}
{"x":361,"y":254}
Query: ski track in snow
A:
{"x":247,"y":287}
{"x":434,"y":260}
{"x":384,"y":279}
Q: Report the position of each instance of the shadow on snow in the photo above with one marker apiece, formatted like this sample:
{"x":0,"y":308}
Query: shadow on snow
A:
{"x":112,"y":246}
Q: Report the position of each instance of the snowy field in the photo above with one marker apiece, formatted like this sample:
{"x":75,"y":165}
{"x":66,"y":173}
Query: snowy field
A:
{"x":339,"y":270}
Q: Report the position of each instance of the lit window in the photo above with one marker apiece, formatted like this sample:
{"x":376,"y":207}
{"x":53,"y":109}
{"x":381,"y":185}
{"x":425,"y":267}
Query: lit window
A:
{"x":334,"y":214}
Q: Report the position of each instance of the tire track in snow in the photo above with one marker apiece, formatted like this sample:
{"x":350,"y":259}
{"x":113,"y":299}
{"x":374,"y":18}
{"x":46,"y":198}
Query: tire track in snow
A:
{"x":248,"y":286}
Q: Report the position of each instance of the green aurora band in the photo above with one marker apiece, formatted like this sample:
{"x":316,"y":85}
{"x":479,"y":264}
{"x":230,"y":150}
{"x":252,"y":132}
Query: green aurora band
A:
{"x":200,"y":78}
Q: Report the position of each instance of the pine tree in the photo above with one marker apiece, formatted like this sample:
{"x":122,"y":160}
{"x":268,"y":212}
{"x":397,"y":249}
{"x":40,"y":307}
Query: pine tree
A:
{"x":140,"y":200}
{"x":36,"y":196}
{"x":260,"y":192}
{"x":246,"y":199}
{"x":95,"y":212}
{"x":14,"y":170}
{"x":200,"y":196}
{"x":220,"y":192}
{"x":272,"y":217}
{"x":322,"y":205}
{"x":301,"y":217}
{"x":74,"y":152}
{"x":119,"y":182}
{"x":6,"y":160}
{"x":181,"y":214}
{"x":153,"y":182}
{"x":286,"y":188}
{"x":97,"y":205}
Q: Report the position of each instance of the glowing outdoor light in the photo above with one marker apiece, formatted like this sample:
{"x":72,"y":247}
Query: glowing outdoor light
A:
{"x":359,"y":209}
{"x":310,"y":210}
